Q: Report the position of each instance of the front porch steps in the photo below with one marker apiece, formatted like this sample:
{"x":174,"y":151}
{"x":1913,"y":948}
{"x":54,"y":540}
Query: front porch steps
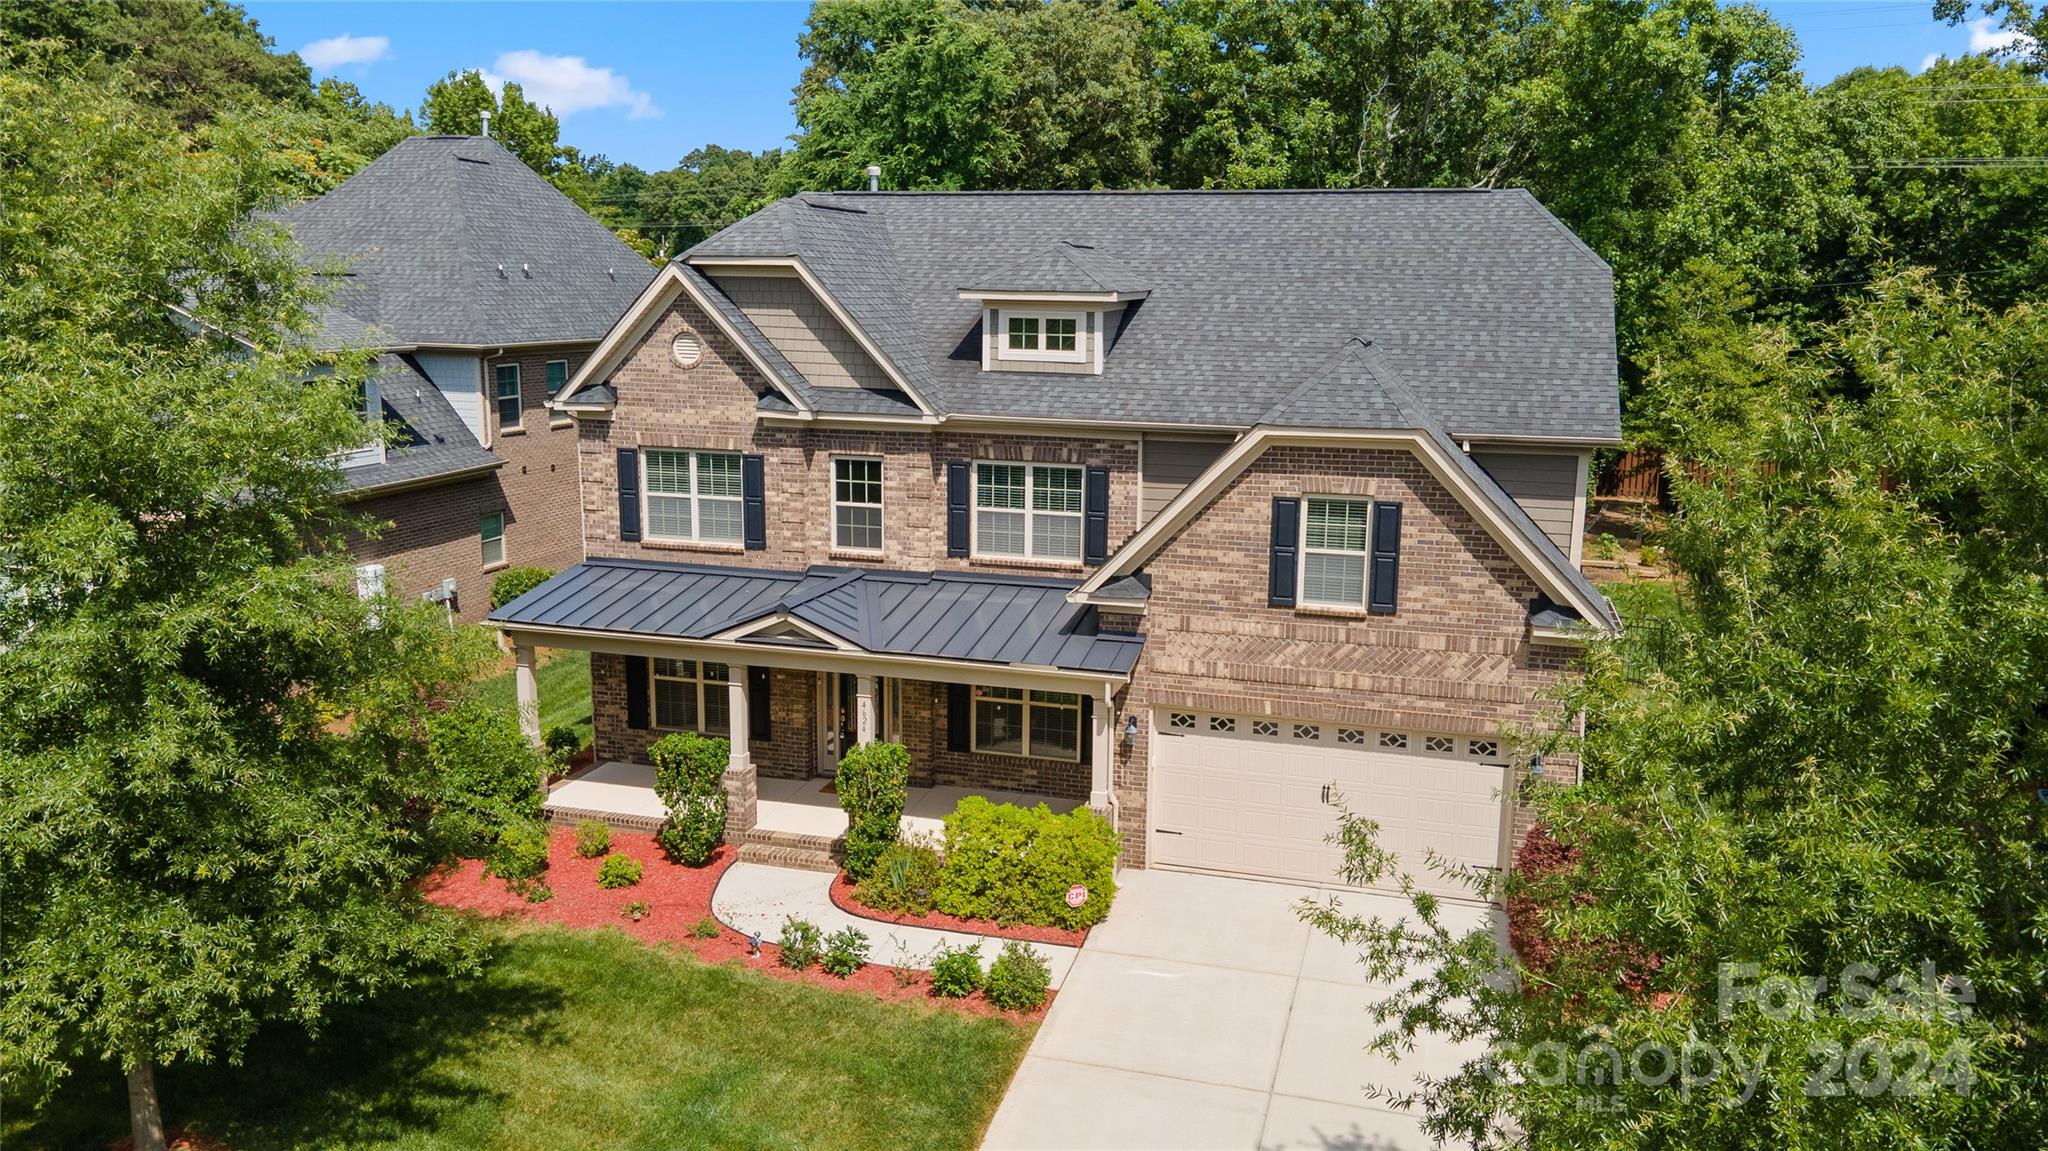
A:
{"x":792,"y":849}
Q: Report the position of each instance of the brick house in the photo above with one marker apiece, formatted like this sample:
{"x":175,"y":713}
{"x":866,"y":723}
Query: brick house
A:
{"x":1197,"y":508}
{"x":483,"y":290}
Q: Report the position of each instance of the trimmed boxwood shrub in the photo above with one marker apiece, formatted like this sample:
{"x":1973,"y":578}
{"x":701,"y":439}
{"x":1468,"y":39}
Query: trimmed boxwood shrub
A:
{"x":903,"y":879}
{"x":689,"y":770}
{"x":515,"y":582}
{"x":1014,"y":864}
{"x":1019,"y":978}
{"x":873,"y":783}
{"x":593,"y":838}
{"x":956,"y":972}
{"x":619,"y":871}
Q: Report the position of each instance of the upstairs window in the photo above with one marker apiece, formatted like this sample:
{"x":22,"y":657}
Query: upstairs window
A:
{"x":558,"y":374}
{"x":508,"y":397}
{"x":493,"y":535}
{"x":693,"y":496}
{"x":1028,"y":511}
{"x":1333,"y":552}
{"x":857,"y":504}
{"x":1052,"y":336}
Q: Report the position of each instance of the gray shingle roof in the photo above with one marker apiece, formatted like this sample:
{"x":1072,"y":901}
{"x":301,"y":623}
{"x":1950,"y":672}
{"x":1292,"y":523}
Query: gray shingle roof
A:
{"x":1063,"y":267}
{"x":433,"y":439}
{"x":418,"y":236}
{"x":997,"y":620}
{"x":1500,"y":321}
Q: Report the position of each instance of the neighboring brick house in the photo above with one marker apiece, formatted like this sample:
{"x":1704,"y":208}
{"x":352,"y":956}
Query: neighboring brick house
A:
{"x":483,"y":289}
{"x":1200,"y":508}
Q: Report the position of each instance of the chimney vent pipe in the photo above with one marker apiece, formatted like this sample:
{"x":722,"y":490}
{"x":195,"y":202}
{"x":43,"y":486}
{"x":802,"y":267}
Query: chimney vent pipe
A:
{"x":874,"y":177}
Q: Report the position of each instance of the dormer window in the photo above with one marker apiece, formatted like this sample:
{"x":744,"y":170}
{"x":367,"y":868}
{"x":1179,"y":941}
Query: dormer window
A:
{"x":1059,"y":337}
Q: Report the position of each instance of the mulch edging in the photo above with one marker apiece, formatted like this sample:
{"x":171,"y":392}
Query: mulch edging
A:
{"x":842,"y":898}
{"x":677,"y":898}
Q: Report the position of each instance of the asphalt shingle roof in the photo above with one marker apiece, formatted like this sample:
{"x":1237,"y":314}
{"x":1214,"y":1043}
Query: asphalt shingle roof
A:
{"x":1063,"y":267}
{"x":412,"y":246}
{"x":998,"y":620}
{"x":433,"y":440}
{"x":1500,"y":321}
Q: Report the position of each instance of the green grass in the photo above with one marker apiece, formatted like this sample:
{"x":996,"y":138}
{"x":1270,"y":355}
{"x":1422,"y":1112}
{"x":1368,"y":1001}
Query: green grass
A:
{"x":1643,"y":601}
{"x":564,"y":680}
{"x":585,"y":1040}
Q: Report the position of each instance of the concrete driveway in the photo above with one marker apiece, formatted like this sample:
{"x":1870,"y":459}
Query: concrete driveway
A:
{"x":1204,"y":1013}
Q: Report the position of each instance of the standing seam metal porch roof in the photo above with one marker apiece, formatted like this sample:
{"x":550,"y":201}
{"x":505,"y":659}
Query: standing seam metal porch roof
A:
{"x":971,"y":618}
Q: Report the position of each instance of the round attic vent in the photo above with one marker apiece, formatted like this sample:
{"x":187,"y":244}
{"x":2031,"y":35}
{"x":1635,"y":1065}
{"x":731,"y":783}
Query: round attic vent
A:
{"x":687,"y":350}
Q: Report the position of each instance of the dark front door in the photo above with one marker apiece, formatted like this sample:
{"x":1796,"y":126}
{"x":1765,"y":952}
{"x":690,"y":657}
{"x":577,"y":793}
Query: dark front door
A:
{"x":846,"y":701}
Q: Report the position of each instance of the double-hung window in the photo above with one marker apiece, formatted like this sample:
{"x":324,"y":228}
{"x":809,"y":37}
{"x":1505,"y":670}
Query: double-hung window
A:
{"x":1333,"y":552}
{"x":508,"y":397}
{"x":693,"y":496}
{"x":1027,"y":510}
{"x":493,"y":533}
{"x":1040,"y":724}
{"x":857,"y":503}
{"x":558,"y":374}
{"x":692,"y":696}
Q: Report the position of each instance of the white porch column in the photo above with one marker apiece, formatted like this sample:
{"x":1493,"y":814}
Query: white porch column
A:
{"x":738,"y":717}
{"x":1105,"y":748}
{"x":742,"y":785}
{"x":864,"y":709}
{"x":528,"y":689}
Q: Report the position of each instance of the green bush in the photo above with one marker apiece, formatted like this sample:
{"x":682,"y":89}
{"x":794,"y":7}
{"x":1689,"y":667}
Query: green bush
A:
{"x":593,"y":838}
{"x":903,"y":879}
{"x":688,"y":774}
{"x":619,"y":871}
{"x":521,"y":852}
{"x":489,"y":774}
{"x":1019,"y":978}
{"x":957,"y":971}
{"x":1014,"y":864}
{"x":636,"y":910}
{"x":515,"y":582}
{"x":561,"y":743}
{"x":802,"y":943}
{"x":705,"y":928}
{"x":845,"y":951}
{"x":873,"y":782}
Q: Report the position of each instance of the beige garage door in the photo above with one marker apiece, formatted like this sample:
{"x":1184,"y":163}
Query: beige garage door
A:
{"x":1253,"y":796}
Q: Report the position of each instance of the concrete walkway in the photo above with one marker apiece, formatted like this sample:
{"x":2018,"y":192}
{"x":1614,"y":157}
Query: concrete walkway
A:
{"x":1204,"y":1013}
{"x":753,"y":897}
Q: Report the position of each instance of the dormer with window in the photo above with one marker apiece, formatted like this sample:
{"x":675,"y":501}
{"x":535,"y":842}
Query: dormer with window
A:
{"x":1056,"y":311}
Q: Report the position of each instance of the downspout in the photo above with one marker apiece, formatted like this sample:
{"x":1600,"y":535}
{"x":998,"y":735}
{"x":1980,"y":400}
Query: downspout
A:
{"x":486,"y":396}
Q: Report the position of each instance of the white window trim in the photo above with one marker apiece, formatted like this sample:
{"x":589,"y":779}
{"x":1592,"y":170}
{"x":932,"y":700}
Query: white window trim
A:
{"x":703,"y":688}
{"x":484,"y":541}
{"x":518,"y":398}
{"x":1030,"y":552}
{"x":1080,"y":354}
{"x":371,"y":451}
{"x":974,"y":724}
{"x":1301,"y":552}
{"x":695,"y":497}
{"x":565,"y":376}
{"x":881,"y":505}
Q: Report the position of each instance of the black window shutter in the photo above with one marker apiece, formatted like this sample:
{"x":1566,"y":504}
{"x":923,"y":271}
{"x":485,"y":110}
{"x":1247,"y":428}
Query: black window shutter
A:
{"x":1095,"y":516}
{"x":959,"y":497}
{"x":636,"y":692}
{"x":1087,"y":730}
{"x":1386,"y":559}
{"x":629,"y":494}
{"x":959,"y":718}
{"x":754,"y":502}
{"x":758,"y":712}
{"x":1280,"y":582}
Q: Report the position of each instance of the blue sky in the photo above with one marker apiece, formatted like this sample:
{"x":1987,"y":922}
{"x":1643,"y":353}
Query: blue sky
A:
{"x":646,"y":82}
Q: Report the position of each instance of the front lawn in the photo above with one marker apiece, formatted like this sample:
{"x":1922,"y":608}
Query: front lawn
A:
{"x":584,"y":1039}
{"x":563,"y":679}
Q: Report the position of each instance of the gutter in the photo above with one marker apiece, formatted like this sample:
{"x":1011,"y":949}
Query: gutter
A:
{"x":396,"y":486}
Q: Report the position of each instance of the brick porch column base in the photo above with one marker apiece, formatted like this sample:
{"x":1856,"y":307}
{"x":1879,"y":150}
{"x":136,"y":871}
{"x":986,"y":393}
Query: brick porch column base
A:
{"x":742,"y":801}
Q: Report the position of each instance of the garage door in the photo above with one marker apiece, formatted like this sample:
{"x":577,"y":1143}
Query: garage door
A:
{"x":1253,"y":796}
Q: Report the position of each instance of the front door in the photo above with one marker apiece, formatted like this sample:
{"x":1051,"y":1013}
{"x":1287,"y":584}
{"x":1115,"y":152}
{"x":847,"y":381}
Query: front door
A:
{"x":840,"y":716}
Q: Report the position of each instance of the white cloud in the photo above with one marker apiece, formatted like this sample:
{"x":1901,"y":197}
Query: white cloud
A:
{"x":568,"y":84}
{"x":1984,"y":37}
{"x":336,"y":51}
{"x":1930,"y":61}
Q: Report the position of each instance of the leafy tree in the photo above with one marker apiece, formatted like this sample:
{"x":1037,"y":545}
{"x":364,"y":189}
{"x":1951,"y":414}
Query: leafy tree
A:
{"x":214,"y":798}
{"x":1829,"y":756}
{"x":454,"y":106}
{"x":1085,"y":109}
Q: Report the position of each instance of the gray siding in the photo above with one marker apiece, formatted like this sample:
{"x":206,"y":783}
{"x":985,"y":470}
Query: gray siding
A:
{"x":1170,"y":465}
{"x":1546,"y":485}
{"x":804,"y":331}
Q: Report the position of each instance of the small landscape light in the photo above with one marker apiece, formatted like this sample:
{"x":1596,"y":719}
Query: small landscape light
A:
{"x":754,"y":945}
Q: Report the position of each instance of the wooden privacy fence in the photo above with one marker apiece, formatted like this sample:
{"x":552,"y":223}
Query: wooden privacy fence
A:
{"x":1637,"y":474}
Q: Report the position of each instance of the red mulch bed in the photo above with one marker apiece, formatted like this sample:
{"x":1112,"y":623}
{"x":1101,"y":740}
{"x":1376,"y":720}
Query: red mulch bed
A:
{"x":677,"y":898}
{"x":842,"y":898}
{"x":177,"y":1139}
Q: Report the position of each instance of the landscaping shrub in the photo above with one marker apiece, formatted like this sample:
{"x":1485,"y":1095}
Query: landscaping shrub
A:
{"x":636,"y":910}
{"x":515,"y":582}
{"x":688,"y":770}
{"x":1019,"y":978}
{"x":619,"y":871}
{"x":1014,"y":864}
{"x":873,"y":781}
{"x":705,"y":928}
{"x":520,"y":854}
{"x":802,"y":943}
{"x":491,"y":775}
{"x":845,"y":951}
{"x":561,"y":743}
{"x":903,"y":879}
{"x":593,"y":838}
{"x":957,"y":971}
